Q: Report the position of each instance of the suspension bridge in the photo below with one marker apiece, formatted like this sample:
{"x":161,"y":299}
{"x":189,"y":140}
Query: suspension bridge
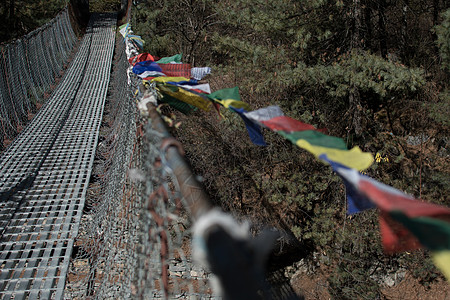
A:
{"x":97,"y":201}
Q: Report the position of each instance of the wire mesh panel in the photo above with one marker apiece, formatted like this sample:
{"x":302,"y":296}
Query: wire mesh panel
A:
{"x":28,"y":70}
{"x":134,"y":238}
{"x":45,"y":171}
{"x":167,"y":268}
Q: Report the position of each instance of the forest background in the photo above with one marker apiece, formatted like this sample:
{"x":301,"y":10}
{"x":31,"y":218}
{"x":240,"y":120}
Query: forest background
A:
{"x":375,"y":73}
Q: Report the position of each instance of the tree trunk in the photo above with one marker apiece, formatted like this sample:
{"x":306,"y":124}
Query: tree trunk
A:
{"x":355,"y":104}
{"x":12,"y":16}
{"x":382,"y":25}
{"x":357,"y":24}
{"x":368,"y":26}
{"x":435,"y":12}
{"x":404,"y":32}
{"x":124,"y":7}
{"x":356,"y":45}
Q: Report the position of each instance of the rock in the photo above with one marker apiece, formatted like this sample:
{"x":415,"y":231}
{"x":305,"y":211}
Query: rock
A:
{"x":194,"y":274}
{"x":389,"y":281}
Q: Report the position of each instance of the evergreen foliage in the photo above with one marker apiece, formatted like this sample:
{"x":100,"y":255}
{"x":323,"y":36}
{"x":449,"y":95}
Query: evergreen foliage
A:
{"x":443,"y":39}
{"x":104,"y":5}
{"x":21,"y":16}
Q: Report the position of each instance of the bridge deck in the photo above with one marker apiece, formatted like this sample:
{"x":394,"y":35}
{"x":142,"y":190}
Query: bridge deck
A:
{"x":45,"y":172}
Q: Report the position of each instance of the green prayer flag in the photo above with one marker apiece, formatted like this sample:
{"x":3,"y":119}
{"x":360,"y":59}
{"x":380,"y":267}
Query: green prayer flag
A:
{"x":172,"y":59}
{"x":315,"y":138}
{"x":225,"y":94}
{"x":431,"y":232}
{"x":181,"y":106}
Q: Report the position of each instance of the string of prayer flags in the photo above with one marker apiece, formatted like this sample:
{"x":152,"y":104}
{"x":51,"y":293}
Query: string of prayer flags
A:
{"x":311,"y":139}
{"x":169,"y":60}
{"x":405,"y":223}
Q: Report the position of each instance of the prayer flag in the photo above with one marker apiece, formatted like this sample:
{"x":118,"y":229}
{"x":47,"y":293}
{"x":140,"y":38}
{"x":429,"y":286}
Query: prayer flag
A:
{"x":287,"y":124}
{"x":169,"y":79}
{"x":143,"y":66}
{"x":200,"y":73}
{"x":229,"y":98}
{"x":141,"y":57}
{"x":430,"y":223}
{"x":201,"y":88}
{"x":176,"y":70}
{"x":190,"y":97}
{"x":150,"y":74}
{"x":124,"y":29}
{"x":334,"y":148}
{"x":253,"y":129}
{"x":136,"y":40}
{"x":264,"y":114}
{"x":442,"y":260}
{"x":314,"y":138}
{"x":172,"y":59}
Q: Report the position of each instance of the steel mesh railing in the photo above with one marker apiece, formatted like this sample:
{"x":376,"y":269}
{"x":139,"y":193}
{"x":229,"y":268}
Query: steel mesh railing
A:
{"x":29,"y":68}
{"x":134,"y":239}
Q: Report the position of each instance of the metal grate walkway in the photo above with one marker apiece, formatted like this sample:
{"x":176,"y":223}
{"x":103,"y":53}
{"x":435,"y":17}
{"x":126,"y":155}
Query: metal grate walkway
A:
{"x":45,"y":172}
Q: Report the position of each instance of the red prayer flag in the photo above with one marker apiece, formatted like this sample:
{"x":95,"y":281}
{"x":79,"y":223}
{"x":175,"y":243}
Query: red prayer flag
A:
{"x":395,"y":237}
{"x":176,"y":70}
{"x":141,"y":57}
{"x":288,"y":124}
{"x":388,"y":199}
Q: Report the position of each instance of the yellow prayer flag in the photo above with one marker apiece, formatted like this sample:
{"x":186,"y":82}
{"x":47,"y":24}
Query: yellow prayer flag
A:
{"x":233,"y":103}
{"x":186,"y":96}
{"x":354,"y":158}
{"x":442,"y":260}
{"x":164,"y":79}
